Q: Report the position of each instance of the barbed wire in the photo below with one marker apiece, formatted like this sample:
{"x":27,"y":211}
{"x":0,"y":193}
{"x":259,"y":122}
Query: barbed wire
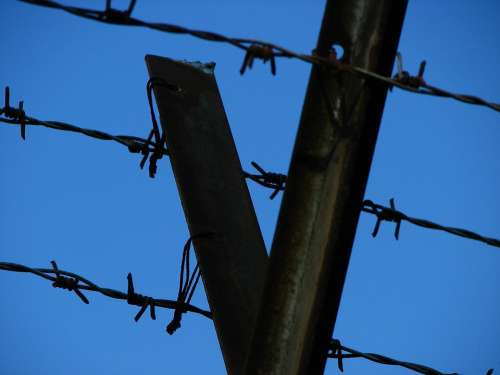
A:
{"x":390,"y":214}
{"x":277,"y":182}
{"x":17,"y":116}
{"x":76,"y":283}
{"x":266,"y":51}
{"x":336,"y":350}
{"x":274,"y":181}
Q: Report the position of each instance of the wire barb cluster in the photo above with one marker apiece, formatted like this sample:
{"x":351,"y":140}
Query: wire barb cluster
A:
{"x":390,"y":214}
{"x":17,"y":116}
{"x":336,"y":350}
{"x":275,"y":181}
{"x":76,"y":283}
{"x":267,"y":51}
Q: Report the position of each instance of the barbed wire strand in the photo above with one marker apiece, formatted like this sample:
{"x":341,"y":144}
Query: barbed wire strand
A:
{"x":17,"y":116}
{"x":336,"y":348}
{"x":275,"y":181}
{"x":267,"y":51}
{"x":390,"y":214}
{"x":74,"y":282}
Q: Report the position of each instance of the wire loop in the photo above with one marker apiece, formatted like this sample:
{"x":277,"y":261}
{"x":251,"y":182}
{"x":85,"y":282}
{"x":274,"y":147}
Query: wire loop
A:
{"x":187,"y":283}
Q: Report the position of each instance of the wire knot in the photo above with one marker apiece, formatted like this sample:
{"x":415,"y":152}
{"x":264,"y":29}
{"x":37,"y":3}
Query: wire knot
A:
{"x":136,"y":299}
{"x":389,"y":214}
{"x":16,"y":114}
{"x":405,"y":78}
{"x":276,"y":181}
{"x":68,"y":283}
{"x":258,"y":51}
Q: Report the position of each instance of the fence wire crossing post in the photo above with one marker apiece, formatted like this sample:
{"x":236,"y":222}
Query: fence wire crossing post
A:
{"x":325,"y":187}
{"x":233,"y":259}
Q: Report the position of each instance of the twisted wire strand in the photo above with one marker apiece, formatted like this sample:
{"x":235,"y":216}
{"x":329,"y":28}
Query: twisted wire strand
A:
{"x":336,"y":348}
{"x":85,"y":284}
{"x":17,"y":116}
{"x":390,"y":214}
{"x":135,"y":144}
{"x":263,"y":50}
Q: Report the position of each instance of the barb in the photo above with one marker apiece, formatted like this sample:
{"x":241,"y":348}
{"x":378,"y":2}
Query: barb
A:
{"x":74,"y":282}
{"x":187,"y":283}
{"x":139,"y":300}
{"x":256,"y":51}
{"x":17,"y":116}
{"x":336,"y":348}
{"x":68,"y":283}
{"x":260,"y":49}
{"x":390,"y":214}
{"x":276,"y":181}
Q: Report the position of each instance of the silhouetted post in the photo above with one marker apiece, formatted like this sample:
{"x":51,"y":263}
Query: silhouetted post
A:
{"x":326,"y":183}
{"x":215,"y":199}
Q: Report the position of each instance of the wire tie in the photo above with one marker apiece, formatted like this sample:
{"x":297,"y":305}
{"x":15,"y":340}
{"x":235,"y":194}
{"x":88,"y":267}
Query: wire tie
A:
{"x":187,"y":283}
{"x":68,"y":283}
{"x":336,"y":350}
{"x":258,"y":51}
{"x":136,"y":299}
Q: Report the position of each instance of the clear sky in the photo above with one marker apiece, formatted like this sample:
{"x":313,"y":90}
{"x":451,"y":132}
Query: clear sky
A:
{"x":429,"y":298}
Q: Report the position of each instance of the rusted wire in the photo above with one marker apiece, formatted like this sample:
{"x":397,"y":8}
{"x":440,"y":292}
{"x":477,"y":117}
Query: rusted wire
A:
{"x":390,"y":214}
{"x":275,"y":181}
{"x":76,"y":283}
{"x":264,"y":50}
{"x":336,"y":350}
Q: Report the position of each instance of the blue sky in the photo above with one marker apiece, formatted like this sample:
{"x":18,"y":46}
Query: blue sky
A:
{"x":429,"y":298}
